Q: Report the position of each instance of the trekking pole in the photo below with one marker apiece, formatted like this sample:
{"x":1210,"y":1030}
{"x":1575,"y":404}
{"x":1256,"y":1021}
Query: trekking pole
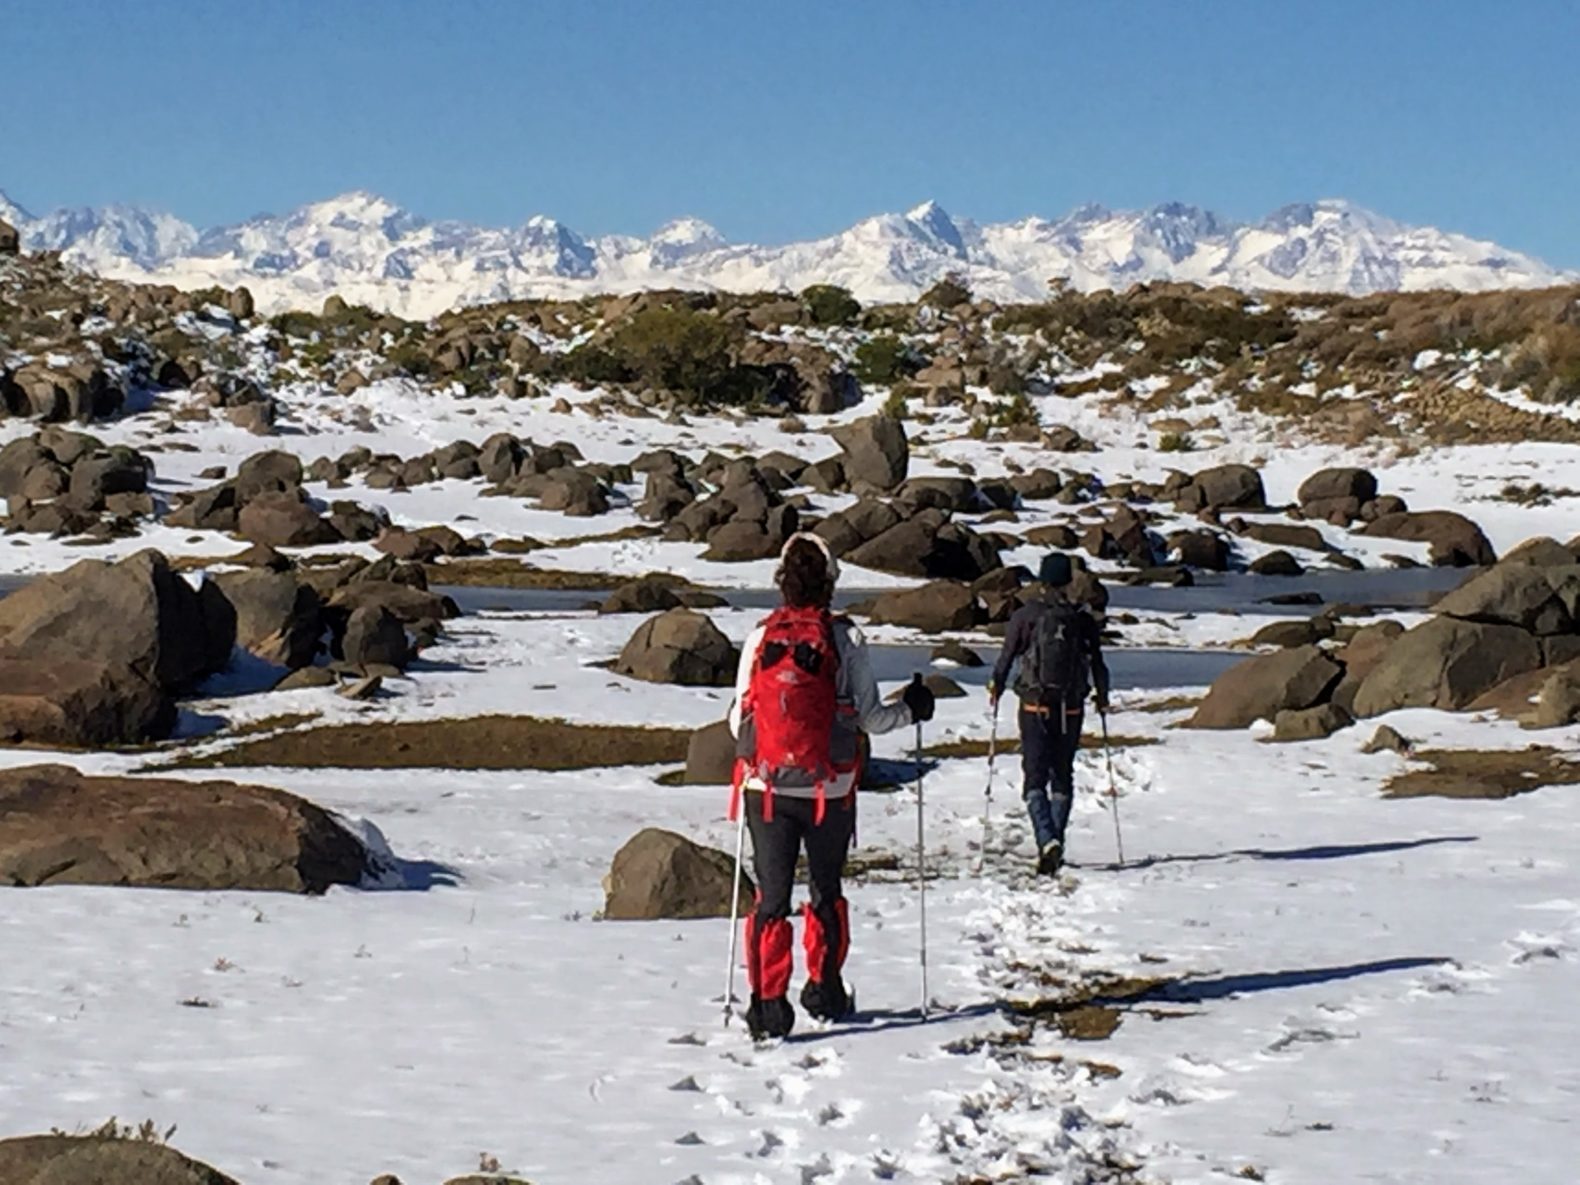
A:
{"x":1113,"y":790}
{"x":987,"y":806}
{"x":921,"y":855}
{"x":735,"y":909}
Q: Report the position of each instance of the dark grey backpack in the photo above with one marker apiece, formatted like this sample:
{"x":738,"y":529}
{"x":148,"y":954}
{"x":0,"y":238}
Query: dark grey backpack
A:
{"x":1056,"y":669}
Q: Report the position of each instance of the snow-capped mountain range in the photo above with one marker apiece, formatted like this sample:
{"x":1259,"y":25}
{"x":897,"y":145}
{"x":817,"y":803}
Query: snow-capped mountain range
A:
{"x":371,"y":251}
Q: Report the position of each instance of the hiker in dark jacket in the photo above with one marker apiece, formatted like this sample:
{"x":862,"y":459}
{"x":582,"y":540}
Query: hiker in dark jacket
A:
{"x":1057,"y":647}
{"x":804,"y":693}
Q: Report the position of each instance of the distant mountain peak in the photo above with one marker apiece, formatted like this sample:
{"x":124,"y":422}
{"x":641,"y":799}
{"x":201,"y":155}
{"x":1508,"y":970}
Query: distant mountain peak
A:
{"x":936,"y":222}
{"x":378,"y":252}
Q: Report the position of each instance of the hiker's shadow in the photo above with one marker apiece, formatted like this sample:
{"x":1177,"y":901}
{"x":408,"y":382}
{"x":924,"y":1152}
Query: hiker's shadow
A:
{"x":1224,"y":987}
{"x":886,"y":1020}
{"x":1317,"y":852}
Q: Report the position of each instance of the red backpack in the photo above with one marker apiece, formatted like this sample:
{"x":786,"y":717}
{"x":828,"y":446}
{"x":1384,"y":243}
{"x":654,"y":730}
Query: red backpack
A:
{"x":790,"y":705}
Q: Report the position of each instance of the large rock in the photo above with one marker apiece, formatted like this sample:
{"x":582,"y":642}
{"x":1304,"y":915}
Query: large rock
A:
{"x":876,"y":452}
{"x":18,"y":459}
{"x":10,"y":240}
{"x":1454,"y":540}
{"x":99,"y":1160}
{"x":137,"y":615}
{"x":62,"y":828}
{"x":576,"y":493}
{"x":1202,"y":549}
{"x":1226,"y":487}
{"x":277,"y":617}
{"x":1287,"y":535}
{"x":410,"y":604}
{"x":1543,"y":599}
{"x":1327,"y":484}
{"x":641,"y":596}
{"x":659,"y":874}
{"x":404,"y":544}
{"x":734,"y":542}
{"x":710,"y":756}
{"x":1260,"y":688}
{"x":212,"y":509}
{"x":78,"y":704}
{"x":75,"y":391}
{"x":682,"y":647}
{"x":1445,"y":663}
{"x":283,"y":520}
{"x":1123,"y":537}
{"x":1542,"y":550}
{"x":95,"y":478}
{"x":1558,"y":702}
{"x":1276,"y":563}
{"x":928,"y":546}
{"x":374,"y":636}
{"x":1310,"y":724}
{"x":273,"y":472}
{"x":933,"y":608}
{"x":1360,"y":656}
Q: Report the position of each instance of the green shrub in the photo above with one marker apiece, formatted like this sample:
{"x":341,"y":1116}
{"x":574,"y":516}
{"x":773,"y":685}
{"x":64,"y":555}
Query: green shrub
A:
{"x":679,"y":350}
{"x":829,"y":304}
{"x":1176,"y":442}
{"x":589,"y":365}
{"x":411,"y":357}
{"x":895,"y":406}
{"x":1016,"y":411}
{"x":296,"y":323}
{"x":885,"y":359}
{"x":353,"y":318}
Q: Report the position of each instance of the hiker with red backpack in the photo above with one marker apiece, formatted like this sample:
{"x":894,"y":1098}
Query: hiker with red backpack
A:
{"x":1058,"y":648}
{"x":804,"y":696}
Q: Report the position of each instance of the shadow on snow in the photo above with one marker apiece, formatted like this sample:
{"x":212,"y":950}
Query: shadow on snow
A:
{"x":1318,"y":852}
{"x":1224,"y":987}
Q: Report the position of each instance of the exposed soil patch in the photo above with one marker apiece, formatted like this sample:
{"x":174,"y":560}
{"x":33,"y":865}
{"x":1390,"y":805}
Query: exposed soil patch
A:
{"x":1172,"y":703}
{"x":1477,"y":773}
{"x":477,"y":742}
{"x":1089,"y":1011}
{"x":267,"y":724}
{"x":522,"y":546}
{"x":503,"y":572}
{"x":979,"y":748}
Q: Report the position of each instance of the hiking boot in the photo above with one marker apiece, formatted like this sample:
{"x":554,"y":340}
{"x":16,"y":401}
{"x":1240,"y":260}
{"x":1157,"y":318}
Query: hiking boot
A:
{"x":1050,"y":859}
{"x":827,"y":1000}
{"x":767,"y":1019}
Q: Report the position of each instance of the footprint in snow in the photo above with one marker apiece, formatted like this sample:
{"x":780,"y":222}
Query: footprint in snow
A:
{"x":772,"y":1142}
{"x":835,"y":1115}
{"x":1307,"y":1036}
{"x":821,"y":1167}
{"x":1197,"y":1067}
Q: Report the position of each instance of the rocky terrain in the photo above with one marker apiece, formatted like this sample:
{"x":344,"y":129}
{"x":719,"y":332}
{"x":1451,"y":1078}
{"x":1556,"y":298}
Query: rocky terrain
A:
{"x":456,"y":604}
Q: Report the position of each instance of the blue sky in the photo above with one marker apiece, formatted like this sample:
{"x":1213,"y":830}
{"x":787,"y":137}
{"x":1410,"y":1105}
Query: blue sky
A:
{"x":780,"y":121}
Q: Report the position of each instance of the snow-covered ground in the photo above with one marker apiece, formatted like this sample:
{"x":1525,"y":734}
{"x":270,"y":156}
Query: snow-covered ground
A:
{"x":1364,"y":989}
{"x":1361,"y":989}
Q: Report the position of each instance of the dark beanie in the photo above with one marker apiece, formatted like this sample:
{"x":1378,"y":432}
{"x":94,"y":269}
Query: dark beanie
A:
{"x":1055,"y":571}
